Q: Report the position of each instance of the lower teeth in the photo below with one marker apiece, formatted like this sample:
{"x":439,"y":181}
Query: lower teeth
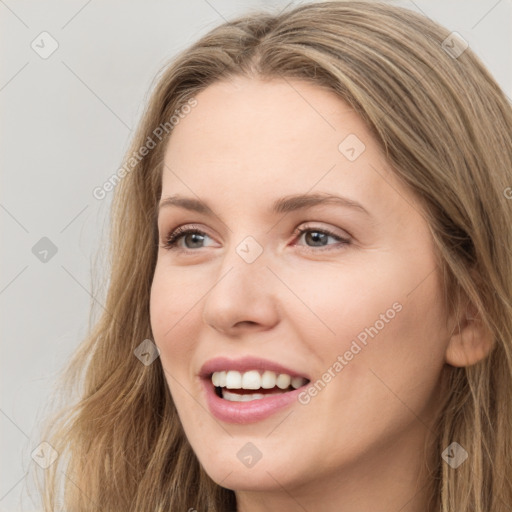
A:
{"x":237,"y":397}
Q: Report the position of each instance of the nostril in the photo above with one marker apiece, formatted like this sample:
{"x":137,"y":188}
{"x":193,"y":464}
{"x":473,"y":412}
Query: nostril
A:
{"x":246,"y":322}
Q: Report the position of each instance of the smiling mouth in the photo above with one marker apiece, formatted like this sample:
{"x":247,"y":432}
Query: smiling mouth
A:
{"x":237,"y":386}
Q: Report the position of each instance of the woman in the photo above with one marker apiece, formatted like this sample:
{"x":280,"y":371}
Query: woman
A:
{"x":262,"y":370}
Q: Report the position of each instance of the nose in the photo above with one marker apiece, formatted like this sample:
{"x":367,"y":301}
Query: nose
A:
{"x":242,"y":297}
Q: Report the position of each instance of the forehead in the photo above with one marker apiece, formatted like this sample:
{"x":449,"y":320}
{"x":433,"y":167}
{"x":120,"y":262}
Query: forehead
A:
{"x":277,"y":114}
{"x":252,"y":139}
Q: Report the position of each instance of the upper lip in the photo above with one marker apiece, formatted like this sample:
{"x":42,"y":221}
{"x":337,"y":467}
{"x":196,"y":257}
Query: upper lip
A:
{"x":244,"y":364}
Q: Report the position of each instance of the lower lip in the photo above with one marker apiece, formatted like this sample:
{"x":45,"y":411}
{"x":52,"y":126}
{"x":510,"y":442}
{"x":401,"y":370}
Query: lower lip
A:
{"x":246,"y":412}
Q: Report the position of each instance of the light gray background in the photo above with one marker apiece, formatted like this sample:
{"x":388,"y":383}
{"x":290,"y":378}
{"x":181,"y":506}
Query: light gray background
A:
{"x":66,"y":123}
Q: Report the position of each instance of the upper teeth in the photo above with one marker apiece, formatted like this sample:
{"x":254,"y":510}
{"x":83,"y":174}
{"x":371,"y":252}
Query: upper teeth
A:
{"x":252,"y":379}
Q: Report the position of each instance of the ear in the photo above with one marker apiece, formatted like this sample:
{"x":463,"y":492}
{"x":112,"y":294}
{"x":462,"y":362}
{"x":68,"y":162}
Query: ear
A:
{"x":470,"y":341}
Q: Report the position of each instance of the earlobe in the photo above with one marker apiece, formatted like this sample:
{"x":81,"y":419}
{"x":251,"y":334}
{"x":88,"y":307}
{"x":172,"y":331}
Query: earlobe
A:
{"x":470,"y":341}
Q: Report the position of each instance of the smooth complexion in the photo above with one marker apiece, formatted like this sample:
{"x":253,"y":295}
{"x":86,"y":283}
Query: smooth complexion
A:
{"x":358,"y":444}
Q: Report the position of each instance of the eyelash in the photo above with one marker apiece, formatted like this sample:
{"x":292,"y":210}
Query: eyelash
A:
{"x":172,"y":239}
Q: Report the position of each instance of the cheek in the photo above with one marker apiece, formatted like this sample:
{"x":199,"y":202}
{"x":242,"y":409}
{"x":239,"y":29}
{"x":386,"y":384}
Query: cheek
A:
{"x":391,"y":350}
{"x":332,"y":304}
{"x":381,"y":317}
{"x":399,"y":331}
{"x":171,"y":315}
{"x":172,"y":320}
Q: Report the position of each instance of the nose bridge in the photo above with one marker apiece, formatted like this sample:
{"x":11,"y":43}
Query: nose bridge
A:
{"x":244,"y":269}
{"x":243,"y":290}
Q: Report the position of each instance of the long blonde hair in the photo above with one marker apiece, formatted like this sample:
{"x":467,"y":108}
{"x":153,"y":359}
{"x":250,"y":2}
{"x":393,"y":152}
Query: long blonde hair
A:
{"x":444,"y":125}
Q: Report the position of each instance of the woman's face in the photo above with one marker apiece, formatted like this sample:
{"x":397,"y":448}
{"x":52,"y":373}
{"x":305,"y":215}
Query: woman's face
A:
{"x":352,"y":304}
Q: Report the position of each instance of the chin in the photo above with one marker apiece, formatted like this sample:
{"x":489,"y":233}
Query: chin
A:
{"x":247,"y":480}
{"x":265,"y":475}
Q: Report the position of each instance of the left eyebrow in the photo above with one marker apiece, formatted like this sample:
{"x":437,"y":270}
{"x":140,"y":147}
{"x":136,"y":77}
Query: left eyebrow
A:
{"x":281,"y":205}
{"x":303,"y":201}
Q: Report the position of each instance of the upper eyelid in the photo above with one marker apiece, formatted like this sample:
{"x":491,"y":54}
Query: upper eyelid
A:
{"x":161,"y":219}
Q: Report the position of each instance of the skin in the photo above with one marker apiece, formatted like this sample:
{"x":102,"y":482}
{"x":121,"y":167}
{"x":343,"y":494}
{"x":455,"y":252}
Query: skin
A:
{"x":358,"y":444}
